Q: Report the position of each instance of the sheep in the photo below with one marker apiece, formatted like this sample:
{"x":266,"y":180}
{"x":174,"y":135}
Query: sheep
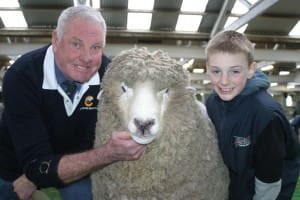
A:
{"x":147,"y":93}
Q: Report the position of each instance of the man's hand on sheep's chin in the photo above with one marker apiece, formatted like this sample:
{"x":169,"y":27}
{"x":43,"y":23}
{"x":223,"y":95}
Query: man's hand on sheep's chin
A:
{"x":122,"y":147}
{"x":24,"y":187}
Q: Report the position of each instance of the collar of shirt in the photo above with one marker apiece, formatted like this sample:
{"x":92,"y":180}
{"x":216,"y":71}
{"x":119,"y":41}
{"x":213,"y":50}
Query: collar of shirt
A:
{"x":61,"y":79}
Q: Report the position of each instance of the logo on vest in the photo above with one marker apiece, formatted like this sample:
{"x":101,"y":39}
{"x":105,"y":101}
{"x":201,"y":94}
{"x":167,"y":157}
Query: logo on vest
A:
{"x":88,"y":103}
{"x":241,"y":141}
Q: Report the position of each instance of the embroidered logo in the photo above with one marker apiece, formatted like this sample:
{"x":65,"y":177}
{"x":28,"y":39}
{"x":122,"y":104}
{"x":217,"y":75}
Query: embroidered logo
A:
{"x":241,"y":141}
{"x":88,"y":102}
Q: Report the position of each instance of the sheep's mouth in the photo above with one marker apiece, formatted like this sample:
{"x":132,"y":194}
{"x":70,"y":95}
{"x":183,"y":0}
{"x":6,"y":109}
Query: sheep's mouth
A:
{"x":142,"y":139}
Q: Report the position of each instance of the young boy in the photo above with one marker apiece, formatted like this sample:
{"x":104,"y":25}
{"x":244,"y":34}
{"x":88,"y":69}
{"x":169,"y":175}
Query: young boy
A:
{"x":255,"y":139}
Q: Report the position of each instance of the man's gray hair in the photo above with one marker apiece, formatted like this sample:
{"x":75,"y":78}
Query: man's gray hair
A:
{"x":82,"y":12}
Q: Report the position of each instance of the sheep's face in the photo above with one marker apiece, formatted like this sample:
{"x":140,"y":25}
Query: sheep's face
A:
{"x":143,"y":108}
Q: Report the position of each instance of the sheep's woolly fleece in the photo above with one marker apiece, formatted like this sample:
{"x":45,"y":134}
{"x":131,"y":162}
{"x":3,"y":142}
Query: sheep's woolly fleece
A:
{"x":184,"y":163}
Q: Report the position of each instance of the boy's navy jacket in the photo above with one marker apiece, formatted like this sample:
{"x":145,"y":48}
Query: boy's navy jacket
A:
{"x":239,"y":123}
{"x":35,"y":129}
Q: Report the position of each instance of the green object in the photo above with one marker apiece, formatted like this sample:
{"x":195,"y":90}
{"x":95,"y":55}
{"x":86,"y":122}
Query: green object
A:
{"x":50,"y":193}
{"x":296,"y":195}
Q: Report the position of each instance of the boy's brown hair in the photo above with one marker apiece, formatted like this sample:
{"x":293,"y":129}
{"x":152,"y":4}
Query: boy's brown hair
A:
{"x":230,"y":42}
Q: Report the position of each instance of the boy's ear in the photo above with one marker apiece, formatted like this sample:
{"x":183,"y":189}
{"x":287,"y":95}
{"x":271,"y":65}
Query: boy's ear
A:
{"x":252,"y":69}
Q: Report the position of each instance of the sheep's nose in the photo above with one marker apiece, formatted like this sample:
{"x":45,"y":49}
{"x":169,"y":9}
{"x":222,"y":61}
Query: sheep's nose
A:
{"x":142,"y":125}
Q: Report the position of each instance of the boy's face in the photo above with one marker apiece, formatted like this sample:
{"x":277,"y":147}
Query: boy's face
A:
{"x":228,"y":73}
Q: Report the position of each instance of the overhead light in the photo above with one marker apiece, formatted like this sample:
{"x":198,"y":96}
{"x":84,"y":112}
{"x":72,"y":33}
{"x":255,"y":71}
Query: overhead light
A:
{"x":267,"y":68}
{"x":239,"y":8}
{"x":9,"y":3}
{"x":13,"y":19}
{"x":298,"y":66}
{"x":139,"y":21}
{"x":96,"y":4}
{"x":141,"y":4}
{"x":295,"y":30}
{"x":289,"y":101}
{"x":253,"y":1}
{"x":193,"y":6}
{"x":273,"y":84}
{"x":242,"y":29}
{"x":81,"y":2}
{"x":205,"y":82}
{"x":284,"y":73}
{"x":290,"y":85}
{"x":198,"y":71}
{"x":229,"y":21}
{"x":188,"y":22}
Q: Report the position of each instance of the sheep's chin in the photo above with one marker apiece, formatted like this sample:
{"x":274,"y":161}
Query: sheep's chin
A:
{"x":142,"y":140}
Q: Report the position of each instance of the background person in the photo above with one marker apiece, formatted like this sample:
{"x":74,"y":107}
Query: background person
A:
{"x":255,"y":139}
{"x":47,"y":132}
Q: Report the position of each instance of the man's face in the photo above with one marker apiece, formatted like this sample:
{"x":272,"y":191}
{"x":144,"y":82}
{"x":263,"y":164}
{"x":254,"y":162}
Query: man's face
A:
{"x":228,"y":73}
{"x":78,"y":53}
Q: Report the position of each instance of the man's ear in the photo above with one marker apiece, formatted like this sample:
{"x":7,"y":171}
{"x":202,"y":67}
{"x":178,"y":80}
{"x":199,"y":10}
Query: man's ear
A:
{"x":252,"y":69}
{"x":54,"y":39}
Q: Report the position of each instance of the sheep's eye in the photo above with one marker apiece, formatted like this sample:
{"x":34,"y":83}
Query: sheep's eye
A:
{"x":123,"y":88}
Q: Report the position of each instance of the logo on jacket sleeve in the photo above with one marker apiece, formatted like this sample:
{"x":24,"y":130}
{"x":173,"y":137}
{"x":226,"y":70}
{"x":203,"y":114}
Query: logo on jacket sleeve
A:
{"x":241,"y":141}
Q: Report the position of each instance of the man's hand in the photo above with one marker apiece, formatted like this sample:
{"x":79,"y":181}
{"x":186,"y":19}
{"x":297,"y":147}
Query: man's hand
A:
{"x":24,"y":187}
{"x":122,"y":147}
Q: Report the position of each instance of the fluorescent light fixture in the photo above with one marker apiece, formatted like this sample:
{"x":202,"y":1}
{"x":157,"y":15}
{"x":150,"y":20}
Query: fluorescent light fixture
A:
{"x":139,"y":21}
{"x":289,"y":101}
{"x":13,"y":19}
{"x":193,"y":6}
{"x":295,"y":30}
{"x":273,"y":84}
{"x":9,"y":3}
{"x":284,"y":73}
{"x":96,"y":3}
{"x":188,"y":22}
{"x":205,"y":82}
{"x":239,"y":8}
{"x":229,"y":21}
{"x":291,"y":85}
{"x":81,"y":2}
{"x":197,"y":70}
{"x":141,"y":4}
{"x":242,"y":29}
{"x":253,"y":1}
{"x":267,"y":68}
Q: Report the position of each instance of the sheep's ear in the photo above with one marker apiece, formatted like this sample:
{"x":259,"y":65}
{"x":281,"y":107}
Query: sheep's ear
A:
{"x":99,"y":94}
{"x":163,"y":92}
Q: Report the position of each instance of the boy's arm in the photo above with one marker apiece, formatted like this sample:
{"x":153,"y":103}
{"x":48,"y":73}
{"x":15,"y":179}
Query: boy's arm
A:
{"x":268,"y":161}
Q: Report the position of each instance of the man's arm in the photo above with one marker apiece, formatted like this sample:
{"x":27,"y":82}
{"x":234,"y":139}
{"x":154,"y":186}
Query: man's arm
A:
{"x":73,"y":167}
{"x":119,"y":147}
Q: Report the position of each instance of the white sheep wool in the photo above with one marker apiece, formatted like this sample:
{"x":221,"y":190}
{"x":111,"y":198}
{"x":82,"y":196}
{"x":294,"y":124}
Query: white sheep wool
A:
{"x":182,"y":160}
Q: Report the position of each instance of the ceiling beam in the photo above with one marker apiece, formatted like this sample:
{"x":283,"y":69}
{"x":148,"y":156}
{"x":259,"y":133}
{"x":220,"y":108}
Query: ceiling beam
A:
{"x":219,"y":24}
{"x":175,"y":51}
{"x":256,"y":10}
